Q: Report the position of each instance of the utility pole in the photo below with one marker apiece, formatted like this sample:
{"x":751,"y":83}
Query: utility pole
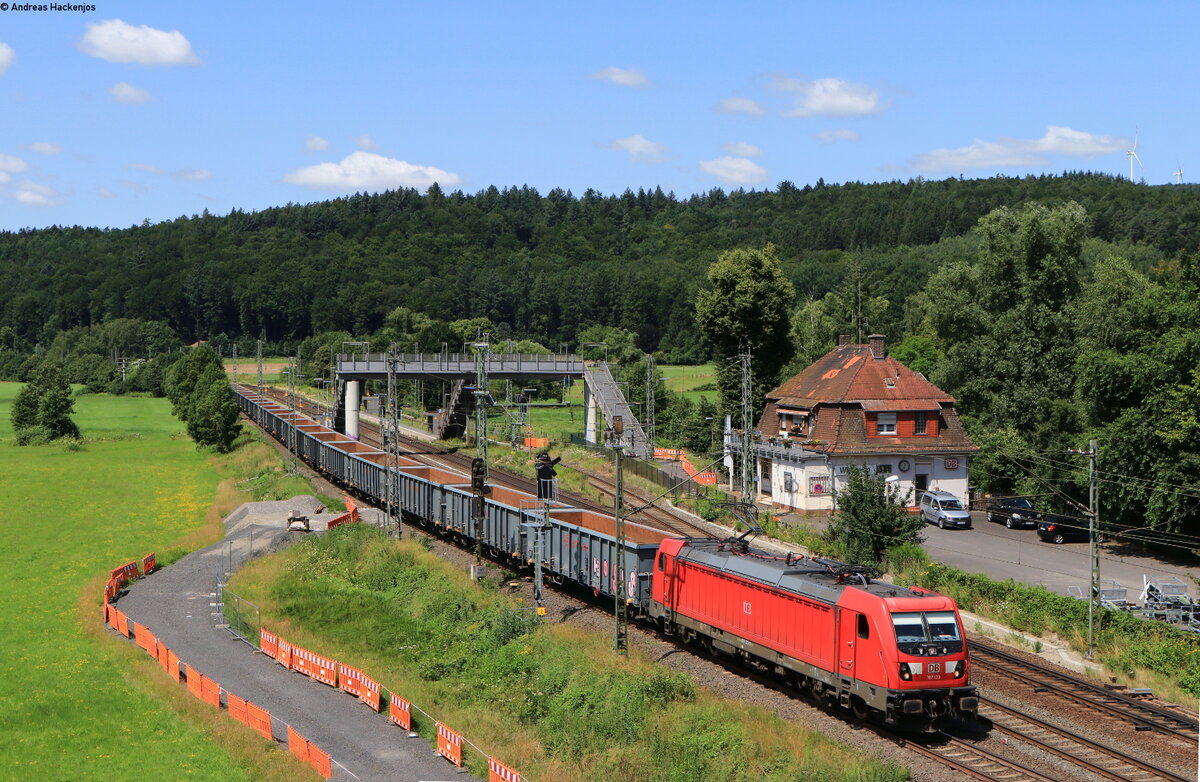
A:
{"x":235,"y":364}
{"x":1093,"y":543}
{"x":748,"y":496}
{"x":482,"y":398}
{"x":621,"y":634}
{"x":391,"y":444}
{"x":260,"y":383}
{"x":291,"y":432}
{"x":651,"y":382}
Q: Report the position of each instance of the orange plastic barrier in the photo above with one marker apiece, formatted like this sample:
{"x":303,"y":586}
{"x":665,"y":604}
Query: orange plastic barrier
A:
{"x":498,"y":772}
{"x":350,"y":515}
{"x":122,"y":622}
{"x":537,"y":442}
{"x":237,"y":708}
{"x":449,"y":745}
{"x":259,"y":719}
{"x":148,"y":565}
{"x":297,"y":744}
{"x":193,"y":681}
{"x":315,"y":666}
{"x":399,"y":711}
{"x":170,"y":663}
{"x":110,"y":590}
{"x":107,"y":608}
{"x":269,"y":643}
{"x":210,"y":692}
{"x":320,"y":760}
{"x":284,"y":653}
{"x":309,"y":752}
{"x":126,"y":572}
{"x":668,"y":454}
{"x":145,"y":639}
{"x":355,"y":682}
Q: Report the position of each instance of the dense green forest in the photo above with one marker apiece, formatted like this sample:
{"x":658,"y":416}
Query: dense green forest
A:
{"x":1055,"y":308}
{"x":542,"y":266}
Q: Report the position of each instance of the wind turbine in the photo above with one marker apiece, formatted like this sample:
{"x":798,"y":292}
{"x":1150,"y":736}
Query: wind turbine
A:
{"x":1179,"y":174}
{"x":1132,"y":153}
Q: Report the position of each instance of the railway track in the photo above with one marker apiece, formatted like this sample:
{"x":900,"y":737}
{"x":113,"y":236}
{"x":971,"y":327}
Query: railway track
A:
{"x":1116,"y":705}
{"x":1102,"y":760}
{"x":649,"y":515}
{"x":974,"y":761}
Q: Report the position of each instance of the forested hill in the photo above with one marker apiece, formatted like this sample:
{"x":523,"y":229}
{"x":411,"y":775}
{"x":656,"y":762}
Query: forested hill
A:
{"x":535,"y":265}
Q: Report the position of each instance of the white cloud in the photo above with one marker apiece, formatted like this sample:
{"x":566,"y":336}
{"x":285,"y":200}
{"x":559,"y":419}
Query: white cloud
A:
{"x":735,"y":170}
{"x":12,"y":164}
{"x":370,"y":172}
{"x":1006,"y":152}
{"x":640,"y":149}
{"x":625,"y":77}
{"x":741,"y":149}
{"x":831,"y":136}
{"x":187,"y":174}
{"x":104,"y":192}
{"x":124,"y":92}
{"x":117,"y":41}
{"x":741,"y":106}
{"x":45,"y":148}
{"x":4,"y":177}
{"x":33,"y":194}
{"x":831,"y":98}
{"x":7,"y":57}
{"x":316,"y":144}
{"x":366,"y":143}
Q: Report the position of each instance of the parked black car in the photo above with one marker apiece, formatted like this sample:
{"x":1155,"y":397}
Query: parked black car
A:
{"x":1013,"y":512}
{"x":1064,"y":529}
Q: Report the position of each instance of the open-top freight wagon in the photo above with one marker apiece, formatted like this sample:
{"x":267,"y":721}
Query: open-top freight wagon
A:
{"x":895,"y":653}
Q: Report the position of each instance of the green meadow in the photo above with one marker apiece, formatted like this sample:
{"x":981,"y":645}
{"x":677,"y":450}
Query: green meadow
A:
{"x":76,"y":703}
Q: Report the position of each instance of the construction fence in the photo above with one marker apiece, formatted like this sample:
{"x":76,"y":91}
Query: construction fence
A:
{"x":337,"y":675}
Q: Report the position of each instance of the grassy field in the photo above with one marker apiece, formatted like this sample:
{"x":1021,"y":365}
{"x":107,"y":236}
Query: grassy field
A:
{"x":75,"y":702}
{"x":686,"y":379}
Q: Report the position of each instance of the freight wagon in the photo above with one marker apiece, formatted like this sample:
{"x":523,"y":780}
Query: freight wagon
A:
{"x":894,"y":653}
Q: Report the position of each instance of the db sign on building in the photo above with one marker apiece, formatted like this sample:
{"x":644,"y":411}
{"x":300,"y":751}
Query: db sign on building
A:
{"x":952,"y":464}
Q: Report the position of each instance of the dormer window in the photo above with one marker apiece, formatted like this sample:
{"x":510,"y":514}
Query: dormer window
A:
{"x":889,"y":382}
{"x":792,"y":423}
{"x":919,"y":423}
{"x":885,"y":423}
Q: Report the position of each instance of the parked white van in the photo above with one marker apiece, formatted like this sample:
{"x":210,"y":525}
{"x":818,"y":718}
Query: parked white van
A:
{"x":944,"y":509}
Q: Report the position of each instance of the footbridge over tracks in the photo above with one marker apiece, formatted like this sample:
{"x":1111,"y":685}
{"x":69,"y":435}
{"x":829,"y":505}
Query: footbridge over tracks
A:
{"x":606,"y":407}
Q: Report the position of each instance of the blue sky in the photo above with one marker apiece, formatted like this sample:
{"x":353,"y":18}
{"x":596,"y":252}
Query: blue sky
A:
{"x":136,"y":111}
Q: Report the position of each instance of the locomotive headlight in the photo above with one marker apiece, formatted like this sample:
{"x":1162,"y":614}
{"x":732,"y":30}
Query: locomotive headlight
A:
{"x":905,"y":673}
{"x":960,"y":668}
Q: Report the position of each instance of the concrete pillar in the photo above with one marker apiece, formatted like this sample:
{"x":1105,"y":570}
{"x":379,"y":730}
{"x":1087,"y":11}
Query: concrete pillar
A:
{"x":591,"y":411}
{"x":353,"y":393}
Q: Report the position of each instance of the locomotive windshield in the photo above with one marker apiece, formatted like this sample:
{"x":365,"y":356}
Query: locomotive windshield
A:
{"x":927,"y":632}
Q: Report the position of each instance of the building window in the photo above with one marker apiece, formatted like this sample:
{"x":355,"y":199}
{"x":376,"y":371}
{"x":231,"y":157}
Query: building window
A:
{"x":883,"y":469}
{"x":919,"y":424}
{"x":885,"y":423}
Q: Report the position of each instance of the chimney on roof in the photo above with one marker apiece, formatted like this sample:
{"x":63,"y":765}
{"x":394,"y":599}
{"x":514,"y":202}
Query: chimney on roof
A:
{"x":843,"y":340}
{"x":878,"y":346}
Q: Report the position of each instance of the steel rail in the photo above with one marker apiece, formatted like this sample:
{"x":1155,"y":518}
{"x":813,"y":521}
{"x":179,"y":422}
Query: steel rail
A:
{"x":1113,"y":754}
{"x":1143,"y":715}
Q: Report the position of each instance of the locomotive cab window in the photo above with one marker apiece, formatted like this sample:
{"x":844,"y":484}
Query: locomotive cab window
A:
{"x":864,"y":627}
{"x":927,"y":632}
{"x":662,"y":561}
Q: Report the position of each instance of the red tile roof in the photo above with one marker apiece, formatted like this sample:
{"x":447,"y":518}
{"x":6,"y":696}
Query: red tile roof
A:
{"x":847,"y":381}
{"x":851,"y":374}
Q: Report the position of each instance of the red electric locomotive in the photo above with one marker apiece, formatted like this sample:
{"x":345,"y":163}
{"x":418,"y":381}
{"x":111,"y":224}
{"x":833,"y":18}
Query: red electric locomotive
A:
{"x":882,"y":650}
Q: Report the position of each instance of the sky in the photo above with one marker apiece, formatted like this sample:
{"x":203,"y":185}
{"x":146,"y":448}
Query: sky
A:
{"x":116,"y":112}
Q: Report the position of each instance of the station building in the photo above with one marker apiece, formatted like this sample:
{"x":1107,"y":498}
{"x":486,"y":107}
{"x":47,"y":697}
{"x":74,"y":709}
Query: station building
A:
{"x":856,"y":405}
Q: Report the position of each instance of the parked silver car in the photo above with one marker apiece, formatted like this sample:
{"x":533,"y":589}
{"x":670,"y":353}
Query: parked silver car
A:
{"x":944,"y":509}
